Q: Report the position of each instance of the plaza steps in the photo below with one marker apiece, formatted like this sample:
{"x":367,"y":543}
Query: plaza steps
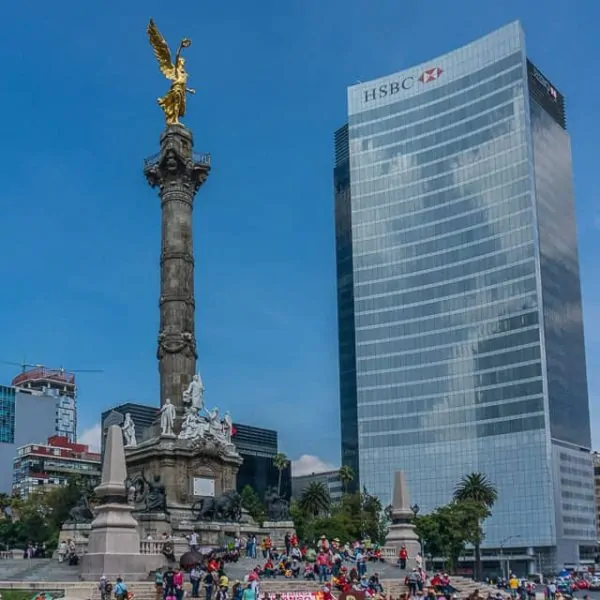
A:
{"x":50,"y":575}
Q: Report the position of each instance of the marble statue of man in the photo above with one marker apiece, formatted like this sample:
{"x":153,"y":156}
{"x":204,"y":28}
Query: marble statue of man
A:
{"x":194,"y":394}
{"x":227,"y":425}
{"x":128,"y":428}
{"x":167,"y":418}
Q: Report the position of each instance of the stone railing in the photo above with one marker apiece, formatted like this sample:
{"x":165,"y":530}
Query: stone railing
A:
{"x":151,"y":546}
{"x":157,"y":546}
{"x":388,"y":553}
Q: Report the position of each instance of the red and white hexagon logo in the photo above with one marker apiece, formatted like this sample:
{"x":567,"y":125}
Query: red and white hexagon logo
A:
{"x":430,"y":75}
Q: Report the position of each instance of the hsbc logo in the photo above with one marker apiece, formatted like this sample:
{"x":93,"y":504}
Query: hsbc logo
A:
{"x":430,"y":75}
{"x":395,"y":87}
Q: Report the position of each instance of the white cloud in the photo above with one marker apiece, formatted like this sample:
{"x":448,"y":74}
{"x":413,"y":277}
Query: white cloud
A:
{"x":308,"y":464}
{"x":91,"y":437}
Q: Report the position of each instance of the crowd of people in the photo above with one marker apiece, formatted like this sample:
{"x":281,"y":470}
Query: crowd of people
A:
{"x":338,"y":567}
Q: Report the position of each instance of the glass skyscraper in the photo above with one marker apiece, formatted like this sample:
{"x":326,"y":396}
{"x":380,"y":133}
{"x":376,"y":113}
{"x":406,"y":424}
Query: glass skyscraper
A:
{"x":460,"y":325}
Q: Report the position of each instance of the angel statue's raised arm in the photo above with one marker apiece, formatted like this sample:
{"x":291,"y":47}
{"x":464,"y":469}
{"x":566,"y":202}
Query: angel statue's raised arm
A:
{"x":173,"y":102}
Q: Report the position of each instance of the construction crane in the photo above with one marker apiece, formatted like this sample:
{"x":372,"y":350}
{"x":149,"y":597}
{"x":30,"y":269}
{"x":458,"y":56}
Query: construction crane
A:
{"x":25,"y":366}
{"x":38,"y":376}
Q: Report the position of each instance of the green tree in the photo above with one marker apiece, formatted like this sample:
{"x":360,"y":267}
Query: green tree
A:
{"x":252,"y":503}
{"x":315,"y":499}
{"x":346,"y":475}
{"x":302,"y":521}
{"x":281,"y":462}
{"x":448,"y":529}
{"x":475,"y":488}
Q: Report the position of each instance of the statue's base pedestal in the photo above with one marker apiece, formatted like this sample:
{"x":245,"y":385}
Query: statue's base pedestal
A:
{"x":277,"y":531}
{"x":131,"y":567}
{"x":113,"y":547}
{"x":79,"y":533}
{"x":180,"y":464}
{"x":403,"y":534}
{"x":153,"y":525}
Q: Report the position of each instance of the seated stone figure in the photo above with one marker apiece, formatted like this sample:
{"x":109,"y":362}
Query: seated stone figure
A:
{"x":81,"y":512}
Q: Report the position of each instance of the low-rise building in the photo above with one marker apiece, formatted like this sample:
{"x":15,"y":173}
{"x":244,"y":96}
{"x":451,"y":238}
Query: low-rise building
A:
{"x":40,"y":467}
{"x":331,"y":480}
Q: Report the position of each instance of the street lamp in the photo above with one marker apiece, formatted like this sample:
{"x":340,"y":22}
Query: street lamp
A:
{"x":506,"y":539}
{"x":415,"y":508}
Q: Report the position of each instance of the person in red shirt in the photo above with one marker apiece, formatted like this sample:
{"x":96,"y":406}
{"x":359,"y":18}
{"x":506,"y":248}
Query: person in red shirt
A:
{"x":325,"y":594}
{"x":322,"y":564}
{"x":403,"y":557}
{"x":269,"y":568}
{"x":213,"y":565}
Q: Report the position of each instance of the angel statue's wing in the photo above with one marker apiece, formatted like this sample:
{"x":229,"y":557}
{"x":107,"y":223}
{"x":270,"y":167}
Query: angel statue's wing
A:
{"x":161,"y":50}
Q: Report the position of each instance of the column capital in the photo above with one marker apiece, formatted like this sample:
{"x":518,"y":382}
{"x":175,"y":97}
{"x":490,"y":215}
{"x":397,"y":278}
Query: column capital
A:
{"x":176,"y":164}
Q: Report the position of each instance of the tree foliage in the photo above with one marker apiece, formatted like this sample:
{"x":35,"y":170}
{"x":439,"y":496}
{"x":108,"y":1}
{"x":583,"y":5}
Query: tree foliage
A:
{"x":38,"y":518}
{"x":476,"y":489}
{"x":315,"y":499}
{"x":253,"y":504}
{"x":346,"y":475}
{"x":358,"y":516}
{"x":280,"y":460}
{"x":448,"y":529}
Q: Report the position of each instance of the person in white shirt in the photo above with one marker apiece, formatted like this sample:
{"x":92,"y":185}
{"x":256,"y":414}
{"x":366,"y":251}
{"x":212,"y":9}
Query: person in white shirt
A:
{"x":193,"y":540}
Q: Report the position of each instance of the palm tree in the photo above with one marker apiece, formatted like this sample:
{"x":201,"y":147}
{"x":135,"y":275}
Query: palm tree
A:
{"x":280,"y":460}
{"x":477,"y":488}
{"x":315,"y":499}
{"x":346,"y":475}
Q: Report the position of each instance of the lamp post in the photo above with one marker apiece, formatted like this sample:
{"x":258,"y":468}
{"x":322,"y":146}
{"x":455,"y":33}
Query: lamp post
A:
{"x":415,"y":509}
{"x":506,"y":539}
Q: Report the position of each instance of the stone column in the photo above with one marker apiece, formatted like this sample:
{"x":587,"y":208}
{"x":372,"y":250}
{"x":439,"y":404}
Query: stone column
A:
{"x":178,"y":173}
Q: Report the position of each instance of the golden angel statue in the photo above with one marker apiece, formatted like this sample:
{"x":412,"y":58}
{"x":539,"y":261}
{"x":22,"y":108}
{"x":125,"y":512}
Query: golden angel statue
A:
{"x":173,"y":102}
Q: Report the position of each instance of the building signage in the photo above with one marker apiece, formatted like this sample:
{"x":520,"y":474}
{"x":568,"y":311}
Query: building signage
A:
{"x":545,"y":83}
{"x":395,"y":87}
{"x":546,"y":95}
{"x":313,"y":596}
{"x":203,"y":486}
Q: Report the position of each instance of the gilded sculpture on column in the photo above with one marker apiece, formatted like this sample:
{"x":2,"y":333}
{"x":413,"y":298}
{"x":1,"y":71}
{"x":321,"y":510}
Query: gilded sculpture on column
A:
{"x":173,"y":102}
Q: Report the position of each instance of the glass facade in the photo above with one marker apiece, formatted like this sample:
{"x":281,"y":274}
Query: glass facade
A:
{"x":258,"y":447}
{"x":7,"y":414}
{"x":451,"y":294}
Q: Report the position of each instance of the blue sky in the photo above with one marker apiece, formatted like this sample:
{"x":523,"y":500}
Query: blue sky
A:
{"x":80,"y":227}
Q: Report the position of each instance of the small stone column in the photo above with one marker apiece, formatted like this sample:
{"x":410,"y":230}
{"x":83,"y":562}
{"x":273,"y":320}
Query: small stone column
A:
{"x":114,"y":543}
{"x":402,"y":530}
{"x":178,"y":173}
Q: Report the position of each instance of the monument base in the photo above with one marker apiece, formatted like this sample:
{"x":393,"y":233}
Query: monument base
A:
{"x":78,"y":533}
{"x":114,"y":546}
{"x":180,"y":463}
{"x":131,"y":567}
{"x":153,"y":525}
{"x":403,"y":535}
{"x":277,"y":531}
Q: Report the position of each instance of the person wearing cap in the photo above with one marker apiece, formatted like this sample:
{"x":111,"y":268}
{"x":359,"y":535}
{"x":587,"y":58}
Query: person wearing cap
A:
{"x":120,"y":589}
{"x":105,"y":588}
